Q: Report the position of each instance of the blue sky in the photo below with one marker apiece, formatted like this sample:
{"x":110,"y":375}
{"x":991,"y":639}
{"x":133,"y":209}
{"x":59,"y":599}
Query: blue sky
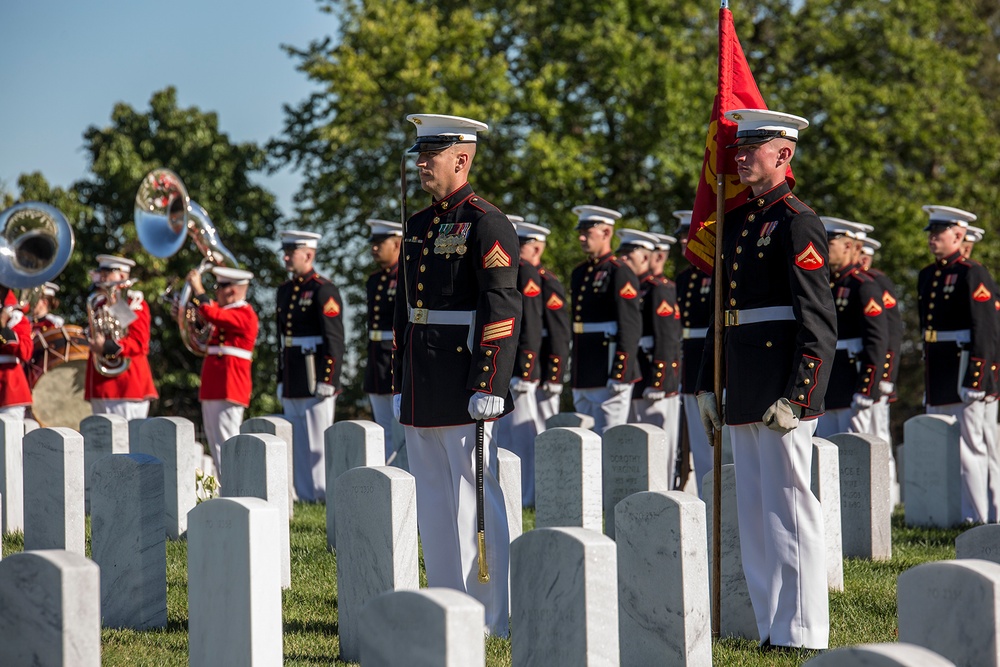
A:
{"x":64,"y":65}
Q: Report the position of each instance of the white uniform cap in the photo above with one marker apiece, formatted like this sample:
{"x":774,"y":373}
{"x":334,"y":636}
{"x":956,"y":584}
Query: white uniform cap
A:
{"x":946,"y":216}
{"x":664,"y":241}
{"x":49,"y":289}
{"x":595,"y":215}
{"x":436,"y":132}
{"x":974,"y":234}
{"x":224,"y":274}
{"x":384,"y":227}
{"x":870,"y":246}
{"x":527,"y":230}
{"x":514,"y":219}
{"x":300,"y":239}
{"x":683,"y":217}
{"x":757,"y":126}
{"x":841,"y":227}
{"x":638,"y":238}
{"x":112,"y":263}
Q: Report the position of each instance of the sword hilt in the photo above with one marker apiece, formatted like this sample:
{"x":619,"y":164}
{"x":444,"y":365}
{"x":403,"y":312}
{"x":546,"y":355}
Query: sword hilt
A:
{"x":484,"y":570}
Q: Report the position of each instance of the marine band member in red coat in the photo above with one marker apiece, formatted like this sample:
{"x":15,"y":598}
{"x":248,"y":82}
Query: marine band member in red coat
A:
{"x":127,"y":394}
{"x":226,"y":372}
{"x":42,"y":317}
{"x":16,"y":348}
{"x":381,"y":287}
{"x":456,"y":330}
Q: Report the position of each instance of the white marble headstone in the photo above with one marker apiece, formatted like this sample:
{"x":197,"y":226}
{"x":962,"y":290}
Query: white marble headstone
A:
{"x":12,"y":474}
{"x":570,"y":420}
{"x":932,"y":478}
{"x":281,"y":427}
{"x":568,"y":479}
{"x":634,"y":459}
{"x":234,"y":584}
{"x":433,"y":627}
{"x":982,"y":542}
{"x":952,"y":608}
{"x":349,"y":444}
{"x":54,"y":516}
{"x":826,"y":488}
{"x":30,"y":425}
{"x":865,"y":519}
{"x":564,"y":598}
{"x":256,"y":467}
{"x":129,"y":540}
{"x":377,"y":534}
{"x":509,"y":476}
{"x":171,"y":439}
{"x":880,"y":655}
{"x":50,"y":608}
{"x":102,"y":435}
{"x":664,"y":610}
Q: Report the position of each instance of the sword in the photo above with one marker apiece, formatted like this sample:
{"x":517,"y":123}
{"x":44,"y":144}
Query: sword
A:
{"x":484,"y":572}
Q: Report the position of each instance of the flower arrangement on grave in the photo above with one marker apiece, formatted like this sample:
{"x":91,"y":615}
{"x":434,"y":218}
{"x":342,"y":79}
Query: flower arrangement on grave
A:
{"x":206,"y":487}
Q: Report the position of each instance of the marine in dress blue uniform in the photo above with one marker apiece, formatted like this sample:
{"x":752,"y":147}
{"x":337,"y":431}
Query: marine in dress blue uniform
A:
{"x":556,"y":336}
{"x":779,"y":342}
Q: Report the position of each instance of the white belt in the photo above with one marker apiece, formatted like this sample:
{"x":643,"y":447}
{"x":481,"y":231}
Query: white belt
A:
{"x":230,"y":351}
{"x":8,"y":359}
{"x":303,"y":341}
{"x":694,"y":333}
{"x":646,"y":342}
{"x":735,"y":318}
{"x":448,"y":317}
{"x":377,"y":336}
{"x":957,"y":336}
{"x":852,"y":345}
{"x":606,"y":328}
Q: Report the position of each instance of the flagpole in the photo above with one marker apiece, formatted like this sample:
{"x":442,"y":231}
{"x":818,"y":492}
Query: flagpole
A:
{"x":720,"y":214}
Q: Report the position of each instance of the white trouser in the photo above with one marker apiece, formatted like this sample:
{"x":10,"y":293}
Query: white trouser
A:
{"x":516,"y":431}
{"x":310,"y":417}
{"x":846,"y":420}
{"x":15,"y":411}
{"x":382,"y":414}
{"x":782,"y":534}
{"x":973,"y":459}
{"x":547,"y":405}
{"x":221,"y":420}
{"x":128,"y":409}
{"x":881,"y":426}
{"x":665,"y":414}
{"x":701,"y":448}
{"x":994,"y":458}
{"x":606,"y":408}
{"x":443,"y":462}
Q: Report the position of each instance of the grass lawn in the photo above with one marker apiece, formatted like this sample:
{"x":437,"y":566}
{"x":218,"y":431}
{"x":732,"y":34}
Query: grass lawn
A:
{"x":865,"y":612}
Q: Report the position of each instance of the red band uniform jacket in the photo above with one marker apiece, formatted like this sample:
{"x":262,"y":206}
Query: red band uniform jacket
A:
{"x":381,"y":290}
{"x":529,"y":360}
{"x":555,"y":328}
{"x":136,"y":382}
{"x":228,"y":377}
{"x":861,"y":319}
{"x":775,"y":254}
{"x":605,"y":290}
{"x":956,"y":294}
{"x":310,"y":311}
{"x":460,"y":254}
{"x":16,"y":347}
{"x":695,"y":300}
{"x":661,"y":326}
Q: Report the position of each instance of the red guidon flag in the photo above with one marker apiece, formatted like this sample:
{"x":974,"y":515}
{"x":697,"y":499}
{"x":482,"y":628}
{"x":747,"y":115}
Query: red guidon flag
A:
{"x":736,"y":90}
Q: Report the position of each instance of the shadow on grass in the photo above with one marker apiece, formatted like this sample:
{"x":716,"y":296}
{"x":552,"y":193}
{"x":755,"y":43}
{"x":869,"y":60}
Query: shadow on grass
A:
{"x":305,"y":627}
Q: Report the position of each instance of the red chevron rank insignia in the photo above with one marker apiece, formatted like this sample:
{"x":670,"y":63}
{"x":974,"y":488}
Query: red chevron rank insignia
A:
{"x":554,"y":302}
{"x":496,"y":257}
{"x":532,"y":288}
{"x":873,"y":308}
{"x":331,"y":308}
{"x":664,"y":309}
{"x":981,"y":293}
{"x":809,"y":259}
{"x":628,"y":292}
{"x":887,"y":300}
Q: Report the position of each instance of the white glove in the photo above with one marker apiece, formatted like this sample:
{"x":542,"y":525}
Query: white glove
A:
{"x":651,"y":394}
{"x":280,"y":391}
{"x":991,"y":398}
{"x":397,"y":405}
{"x":860,"y":402}
{"x":485,"y":406}
{"x":618,"y":387}
{"x":519,"y":386}
{"x":324,"y":390}
{"x":782,"y":417}
{"x":971,"y":395}
{"x":709,"y":414}
{"x":886,"y":388}
{"x":552,"y":389}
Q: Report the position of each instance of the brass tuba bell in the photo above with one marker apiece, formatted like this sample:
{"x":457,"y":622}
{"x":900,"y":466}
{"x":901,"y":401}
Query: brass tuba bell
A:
{"x":164,"y":217}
